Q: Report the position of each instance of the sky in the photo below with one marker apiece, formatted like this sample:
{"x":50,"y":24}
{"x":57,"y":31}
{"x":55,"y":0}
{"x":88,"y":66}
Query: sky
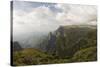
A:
{"x":45,"y":17}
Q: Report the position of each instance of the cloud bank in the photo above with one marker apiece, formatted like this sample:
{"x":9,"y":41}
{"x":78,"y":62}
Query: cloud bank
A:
{"x":45,"y":17}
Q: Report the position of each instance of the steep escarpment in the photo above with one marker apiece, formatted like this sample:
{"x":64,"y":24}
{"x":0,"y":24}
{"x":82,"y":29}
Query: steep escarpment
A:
{"x":67,"y":40}
{"x":73,"y":43}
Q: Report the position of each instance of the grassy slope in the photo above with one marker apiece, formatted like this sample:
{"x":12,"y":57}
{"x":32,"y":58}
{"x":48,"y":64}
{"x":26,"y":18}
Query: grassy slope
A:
{"x":84,"y":51}
{"x":87,"y":54}
{"x":33,"y":56}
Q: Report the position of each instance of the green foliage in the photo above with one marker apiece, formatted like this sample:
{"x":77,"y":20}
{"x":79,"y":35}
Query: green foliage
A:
{"x":33,"y":57}
{"x":72,"y":44}
{"x":87,"y":54}
{"x":73,"y":39}
{"x":28,"y":56}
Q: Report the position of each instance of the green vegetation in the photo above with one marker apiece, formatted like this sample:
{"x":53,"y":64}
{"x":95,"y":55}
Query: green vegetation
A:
{"x":30,"y":56}
{"x":71,"y":39}
{"x":88,"y":54}
{"x":68,"y":44}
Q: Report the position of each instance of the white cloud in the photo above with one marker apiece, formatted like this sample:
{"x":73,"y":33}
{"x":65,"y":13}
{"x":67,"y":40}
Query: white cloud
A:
{"x":77,"y":14}
{"x":42,"y":19}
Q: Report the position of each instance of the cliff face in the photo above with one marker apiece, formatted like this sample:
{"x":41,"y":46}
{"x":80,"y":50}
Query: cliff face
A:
{"x":67,"y":40}
{"x":65,"y":45}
